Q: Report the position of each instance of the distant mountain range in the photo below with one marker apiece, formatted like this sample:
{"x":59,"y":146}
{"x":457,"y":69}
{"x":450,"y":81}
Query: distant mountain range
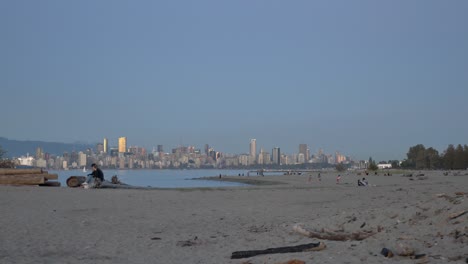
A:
{"x":17,"y":148}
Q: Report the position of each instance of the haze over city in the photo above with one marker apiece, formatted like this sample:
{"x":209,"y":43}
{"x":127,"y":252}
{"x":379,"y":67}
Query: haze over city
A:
{"x":366,"y":79}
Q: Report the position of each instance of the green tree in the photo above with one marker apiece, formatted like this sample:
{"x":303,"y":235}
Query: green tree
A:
{"x":5,"y":163}
{"x":340,"y":167}
{"x":416,"y":157}
{"x":449,"y":157}
{"x":2,"y":153}
{"x":459,"y":158}
{"x":395,"y":163}
{"x":465,"y":152}
{"x":372,"y":166}
{"x":432,"y":159}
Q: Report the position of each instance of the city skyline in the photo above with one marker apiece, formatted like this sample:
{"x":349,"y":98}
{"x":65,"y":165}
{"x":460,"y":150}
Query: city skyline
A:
{"x":368,"y":78}
{"x":190,"y":157}
{"x":119,"y":145}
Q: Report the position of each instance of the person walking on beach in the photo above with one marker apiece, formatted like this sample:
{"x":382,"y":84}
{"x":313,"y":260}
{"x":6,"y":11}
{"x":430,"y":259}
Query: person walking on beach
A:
{"x":338,"y":178}
{"x":97,"y":176}
{"x":319,"y":177}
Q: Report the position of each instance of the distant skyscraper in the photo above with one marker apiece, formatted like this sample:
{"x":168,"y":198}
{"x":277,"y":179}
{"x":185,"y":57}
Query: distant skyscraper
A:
{"x":122,"y":144}
{"x":99,"y":148}
{"x":253,"y":149}
{"x":303,"y":149}
{"x":160,"y":148}
{"x":39,"y":153}
{"x":106,"y":145}
{"x":276,"y":156}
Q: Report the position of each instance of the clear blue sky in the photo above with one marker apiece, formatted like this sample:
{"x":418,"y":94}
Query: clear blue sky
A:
{"x":366,"y":78}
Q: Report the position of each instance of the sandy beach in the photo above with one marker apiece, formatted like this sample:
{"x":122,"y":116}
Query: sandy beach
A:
{"x":423,"y":215}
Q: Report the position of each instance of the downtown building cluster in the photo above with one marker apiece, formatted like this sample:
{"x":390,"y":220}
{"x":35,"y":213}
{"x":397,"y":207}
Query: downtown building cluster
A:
{"x":134,"y":157}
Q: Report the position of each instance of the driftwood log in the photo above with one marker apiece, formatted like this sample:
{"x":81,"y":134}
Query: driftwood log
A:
{"x":75,"y":181}
{"x":21,"y":171}
{"x":27,"y":177}
{"x":333,"y":235}
{"x":23,"y":179}
{"x":299,"y":248}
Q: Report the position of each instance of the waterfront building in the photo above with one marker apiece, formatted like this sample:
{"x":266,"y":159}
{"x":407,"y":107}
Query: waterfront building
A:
{"x":300,"y":158}
{"x":160,"y":148}
{"x":99,"y":148}
{"x":253,"y":150}
{"x":276,"y":156}
{"x":122,"y":144}
{"x":106,"y":145}
{"x":82,"y":159}
{"x":304,"y":150}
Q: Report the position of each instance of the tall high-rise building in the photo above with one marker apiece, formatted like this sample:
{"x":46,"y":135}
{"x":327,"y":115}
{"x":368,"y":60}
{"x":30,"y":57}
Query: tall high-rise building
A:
{"x":276,"y":156}
{"x":106,"y":145}
{"x":122,"y":144}
{"x":39,"y":153}
{"x":303,"y":149}
{"x":160,"y":148}
{"x":99,"y":148}
{"x":253,"y":149}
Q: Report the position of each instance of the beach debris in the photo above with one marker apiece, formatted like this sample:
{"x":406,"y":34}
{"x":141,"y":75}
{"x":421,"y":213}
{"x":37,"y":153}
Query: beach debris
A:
{"x":28,"y":177}
{"x":386,"y":252}
{"x":155,"y":238}
{"x":457,"y":214}
{"x":454,"y":200}
{"x":259,"y":229}
{"x":188,"y":243}
{"x":338,"y":235}
{"x":293,"y":261}
{"x":292,"y":249}
{"x":115,"y":180}
{"x":404,"y":250}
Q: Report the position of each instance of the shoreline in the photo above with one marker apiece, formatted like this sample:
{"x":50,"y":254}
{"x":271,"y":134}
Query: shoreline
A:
{"x":248,"y":180}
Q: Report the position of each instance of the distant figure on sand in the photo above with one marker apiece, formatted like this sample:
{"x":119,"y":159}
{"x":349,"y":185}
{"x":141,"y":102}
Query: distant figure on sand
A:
{"x":319,"y":177}
{"x":310,"y":178}
{"x":362,"y":182}
{"x":338,"y":178}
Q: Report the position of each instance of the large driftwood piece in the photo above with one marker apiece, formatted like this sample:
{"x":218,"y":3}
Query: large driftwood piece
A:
{"x":333,"y":235}
{"x":292,"y":249}
{"x":75,"y":181}
{"x":25,"y":179}
{"x":50,"y":176}
{"x":20,"y":171}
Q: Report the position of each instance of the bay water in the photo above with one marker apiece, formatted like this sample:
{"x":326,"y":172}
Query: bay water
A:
{"x":160,"y":178}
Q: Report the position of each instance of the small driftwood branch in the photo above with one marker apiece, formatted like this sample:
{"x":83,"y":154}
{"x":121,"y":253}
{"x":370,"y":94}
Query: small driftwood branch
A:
{"x":299,"y":248}
{"x":333,"y":235}
{"x":457,"y":214}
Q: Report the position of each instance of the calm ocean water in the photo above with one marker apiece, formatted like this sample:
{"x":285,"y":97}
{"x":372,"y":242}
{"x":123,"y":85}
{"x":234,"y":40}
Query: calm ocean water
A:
{"x":159,"y":178}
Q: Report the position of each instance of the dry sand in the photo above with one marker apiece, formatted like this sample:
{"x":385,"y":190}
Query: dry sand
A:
{"x":63,"y":225}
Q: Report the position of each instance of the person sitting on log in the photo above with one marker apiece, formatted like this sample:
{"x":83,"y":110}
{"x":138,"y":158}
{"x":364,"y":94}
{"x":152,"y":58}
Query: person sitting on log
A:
{"x":97,"y":176}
